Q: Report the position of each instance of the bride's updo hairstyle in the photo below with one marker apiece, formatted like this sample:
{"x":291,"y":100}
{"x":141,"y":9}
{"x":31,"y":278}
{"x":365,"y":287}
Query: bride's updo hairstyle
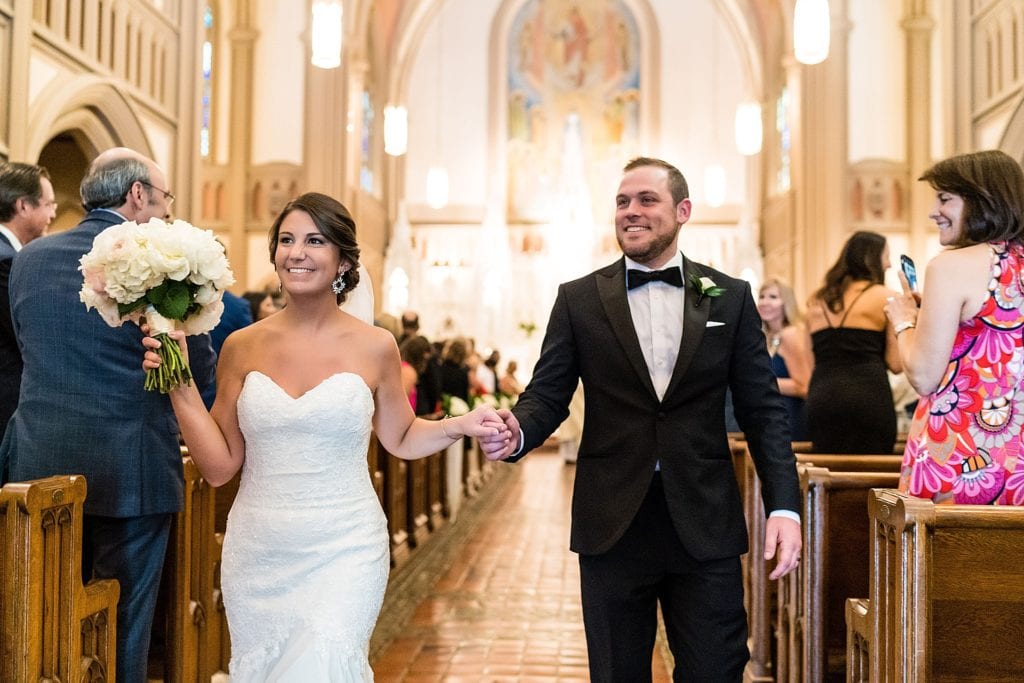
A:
{"x":335,"y":223}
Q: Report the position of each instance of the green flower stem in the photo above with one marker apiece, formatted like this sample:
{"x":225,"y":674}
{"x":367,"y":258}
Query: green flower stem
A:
{"x":173,"y":370}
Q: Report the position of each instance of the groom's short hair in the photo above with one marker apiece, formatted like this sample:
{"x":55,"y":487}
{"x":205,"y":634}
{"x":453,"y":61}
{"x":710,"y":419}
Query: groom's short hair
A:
{"x":676,"y":182}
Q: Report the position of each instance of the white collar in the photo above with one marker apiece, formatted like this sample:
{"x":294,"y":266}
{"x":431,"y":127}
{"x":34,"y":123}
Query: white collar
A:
{"x":11,"y":237}
{"x":676,"y":261}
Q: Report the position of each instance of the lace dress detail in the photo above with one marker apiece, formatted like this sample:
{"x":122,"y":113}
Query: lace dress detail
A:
{"x":965,"y":443}
{"x":305,"y":560}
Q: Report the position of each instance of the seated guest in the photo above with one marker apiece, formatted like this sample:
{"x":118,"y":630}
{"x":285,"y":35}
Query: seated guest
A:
{"x":960,"y":339}
{"x":415,"y":353}
{"x":509,"y":383}
{"x":262,"y":305}
{"x":789,"y":347}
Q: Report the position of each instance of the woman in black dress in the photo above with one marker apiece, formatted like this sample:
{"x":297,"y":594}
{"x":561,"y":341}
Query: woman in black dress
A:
{"x":849,"y":401}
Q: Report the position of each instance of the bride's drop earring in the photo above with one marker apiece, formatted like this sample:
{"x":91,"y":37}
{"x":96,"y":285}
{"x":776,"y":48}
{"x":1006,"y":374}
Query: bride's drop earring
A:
{"x":338,"y":285}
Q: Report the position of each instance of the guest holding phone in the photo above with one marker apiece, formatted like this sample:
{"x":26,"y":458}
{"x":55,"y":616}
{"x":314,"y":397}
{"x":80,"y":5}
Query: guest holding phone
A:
{"x":960,"y":339}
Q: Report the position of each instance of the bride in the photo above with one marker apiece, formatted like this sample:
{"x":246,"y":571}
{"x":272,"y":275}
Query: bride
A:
{"x":305,"y":560}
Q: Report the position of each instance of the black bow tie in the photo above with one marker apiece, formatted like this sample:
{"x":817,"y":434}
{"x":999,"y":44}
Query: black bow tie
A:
{"x":638,"y":278}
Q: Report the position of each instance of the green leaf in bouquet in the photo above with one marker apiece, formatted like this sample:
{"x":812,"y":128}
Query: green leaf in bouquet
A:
{"x":171,"y":299}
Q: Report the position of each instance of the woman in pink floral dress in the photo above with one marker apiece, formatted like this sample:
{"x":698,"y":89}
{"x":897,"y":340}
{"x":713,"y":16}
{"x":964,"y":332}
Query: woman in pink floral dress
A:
{"x":961,"y":339}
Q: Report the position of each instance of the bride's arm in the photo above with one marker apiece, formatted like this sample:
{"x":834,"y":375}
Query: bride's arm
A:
{"x":214,"y":439}
{"x":402,"y":433}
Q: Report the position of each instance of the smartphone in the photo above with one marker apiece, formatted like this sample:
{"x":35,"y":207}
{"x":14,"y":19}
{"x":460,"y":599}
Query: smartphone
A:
{"x":907,"y":264}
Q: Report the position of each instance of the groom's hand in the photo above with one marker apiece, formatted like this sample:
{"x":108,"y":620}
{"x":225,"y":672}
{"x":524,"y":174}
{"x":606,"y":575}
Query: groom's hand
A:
{"x":502,"y":445}
{"x":783,"y":535}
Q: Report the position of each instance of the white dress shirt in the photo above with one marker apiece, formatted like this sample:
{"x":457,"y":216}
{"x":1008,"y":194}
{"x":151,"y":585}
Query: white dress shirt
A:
{"x":657,"y":311}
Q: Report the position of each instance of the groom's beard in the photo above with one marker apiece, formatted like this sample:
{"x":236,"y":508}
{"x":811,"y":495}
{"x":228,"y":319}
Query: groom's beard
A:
{"x":653,"y":249}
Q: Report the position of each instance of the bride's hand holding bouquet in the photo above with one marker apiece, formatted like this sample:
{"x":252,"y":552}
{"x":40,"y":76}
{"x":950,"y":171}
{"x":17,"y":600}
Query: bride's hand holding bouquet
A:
{"x":168,"y":276}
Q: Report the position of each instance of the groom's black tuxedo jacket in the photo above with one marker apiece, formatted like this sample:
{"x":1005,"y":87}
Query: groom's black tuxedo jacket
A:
{"x":627,"y":430}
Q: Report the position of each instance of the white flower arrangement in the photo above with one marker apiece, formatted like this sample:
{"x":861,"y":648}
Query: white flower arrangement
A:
{"x":172,"y":275}
{"x":454,"y":406}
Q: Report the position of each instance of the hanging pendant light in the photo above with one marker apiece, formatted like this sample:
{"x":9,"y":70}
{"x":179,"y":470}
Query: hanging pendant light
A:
{"x":396,"y":130}
{"x":714,"y":185}
{"x":811,"y":31}
{"x":437,"y":187}
{"x":748,"y":128}
{"x":326,"y":34}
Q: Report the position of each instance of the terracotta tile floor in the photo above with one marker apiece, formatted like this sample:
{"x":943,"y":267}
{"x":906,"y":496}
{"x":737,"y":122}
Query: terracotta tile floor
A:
{"x":506,"y":607}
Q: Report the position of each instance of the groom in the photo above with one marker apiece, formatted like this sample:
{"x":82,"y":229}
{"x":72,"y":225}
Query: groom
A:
{"x":657,"y":339}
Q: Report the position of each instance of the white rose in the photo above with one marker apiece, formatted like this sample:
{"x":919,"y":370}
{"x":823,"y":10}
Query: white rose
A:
{"x":165,"y":253}
{"x":707,"y":283}
{"x":204,"y":320}
{"x":456,"y":406}
{"x":207,"y":294}
{"x":105,"y":306}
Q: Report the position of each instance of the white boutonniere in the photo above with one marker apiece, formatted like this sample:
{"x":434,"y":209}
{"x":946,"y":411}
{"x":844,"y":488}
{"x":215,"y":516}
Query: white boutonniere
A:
{"x":705,"y":286}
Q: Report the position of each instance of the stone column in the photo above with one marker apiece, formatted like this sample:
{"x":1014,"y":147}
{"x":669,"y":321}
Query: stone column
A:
{"x":918,"y":27}
{"x":242,"y":38}
{"x":819,"y":155}
{"x":16,"y":128}
{"x":327,"y":123}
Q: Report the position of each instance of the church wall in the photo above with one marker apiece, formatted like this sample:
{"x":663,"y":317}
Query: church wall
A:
{"x":877,"y":81}
{"x":700,"y":87}
{"x":279,"y":83}
{"x":457,"y":93}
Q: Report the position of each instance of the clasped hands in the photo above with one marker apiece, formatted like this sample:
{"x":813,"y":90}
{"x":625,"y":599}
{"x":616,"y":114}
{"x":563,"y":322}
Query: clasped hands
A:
{"x":505,"y":442}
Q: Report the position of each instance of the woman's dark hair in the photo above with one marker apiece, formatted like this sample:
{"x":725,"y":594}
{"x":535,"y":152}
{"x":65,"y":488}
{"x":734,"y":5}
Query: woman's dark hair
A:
{"x":861,"y":259}
{"x":416,"y":352}
{"x":456,"y":352}
{"x":991,"y":184}
{"x":255,"y":299}
{"x":335,"y":223}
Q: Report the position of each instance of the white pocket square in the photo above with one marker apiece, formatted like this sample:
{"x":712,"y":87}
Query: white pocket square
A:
{"x":714,"y":323}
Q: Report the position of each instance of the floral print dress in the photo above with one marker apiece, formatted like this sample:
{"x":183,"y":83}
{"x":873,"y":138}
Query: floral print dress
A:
{"x":965,"y":442}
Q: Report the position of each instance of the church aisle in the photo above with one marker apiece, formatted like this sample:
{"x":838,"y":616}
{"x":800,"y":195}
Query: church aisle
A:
{"x":507,"y":605}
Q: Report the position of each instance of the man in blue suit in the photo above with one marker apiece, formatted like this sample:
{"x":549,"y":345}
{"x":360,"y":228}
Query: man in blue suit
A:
{"x":83,"y":409}
{"x":27,"y":206}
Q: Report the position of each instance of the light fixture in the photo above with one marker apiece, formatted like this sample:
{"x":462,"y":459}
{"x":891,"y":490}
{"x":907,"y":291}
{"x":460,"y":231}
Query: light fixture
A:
{"x":437,"y":187}
{"x":812,"y":30}
{"x":396,"y":130}
{"x":748,"y":128}
{"x":326,"y":29}
{"x":398,"y":290}
{"x":714,"y":185}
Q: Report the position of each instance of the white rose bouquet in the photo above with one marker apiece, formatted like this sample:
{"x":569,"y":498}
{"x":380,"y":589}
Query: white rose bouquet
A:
{"x":172,"y":275}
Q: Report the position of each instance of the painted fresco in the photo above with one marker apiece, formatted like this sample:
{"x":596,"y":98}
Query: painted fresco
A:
{"x":573,"y":101}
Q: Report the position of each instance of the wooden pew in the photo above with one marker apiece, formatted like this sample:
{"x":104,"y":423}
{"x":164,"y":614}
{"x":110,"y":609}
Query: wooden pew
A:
{"x":947,"y":599}
{"x":436,"y":495}
{"x":396,"y":503}
{"x":417,"y":507}
{"x":52,"y":628}
{"x":196,"y":643}
{"x":761,"y":596}
{"x":858,"y":639}
{"x":810,"y":631}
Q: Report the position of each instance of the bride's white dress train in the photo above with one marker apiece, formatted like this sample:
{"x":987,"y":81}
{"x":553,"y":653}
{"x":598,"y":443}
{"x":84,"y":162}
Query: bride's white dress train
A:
{"x":305,"y":560}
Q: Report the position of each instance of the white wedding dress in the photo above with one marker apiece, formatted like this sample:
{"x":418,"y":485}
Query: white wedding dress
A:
{"x":305,"y":560}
